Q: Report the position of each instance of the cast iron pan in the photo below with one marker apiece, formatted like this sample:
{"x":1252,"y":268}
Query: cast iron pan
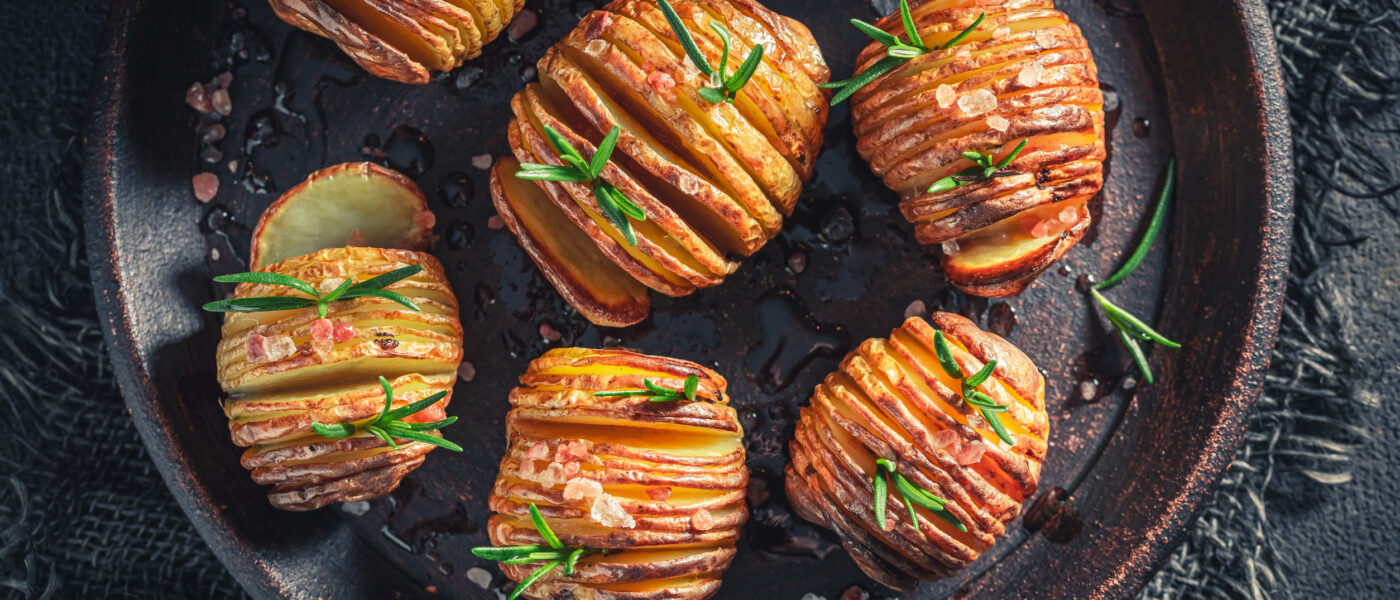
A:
{"x":1127,"y":470}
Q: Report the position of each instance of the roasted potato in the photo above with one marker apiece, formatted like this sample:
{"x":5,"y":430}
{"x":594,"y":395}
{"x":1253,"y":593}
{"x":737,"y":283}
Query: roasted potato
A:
{"x":1025,"y":73}
{"x":287,"y":369}
{"x":892,"y":399}
{"x":713,"y":179}
{"x":403,"y":40}
{"x":659,"y":485}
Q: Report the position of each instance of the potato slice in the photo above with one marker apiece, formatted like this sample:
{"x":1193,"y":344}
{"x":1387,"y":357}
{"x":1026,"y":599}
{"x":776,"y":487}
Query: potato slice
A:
{"x":1025,"y":73}
{"x":367,"y":48}
{"x":599,"y":289}
{"x":892,"y":399}
{"x":668,"y":489}
{"x":327,"y":209}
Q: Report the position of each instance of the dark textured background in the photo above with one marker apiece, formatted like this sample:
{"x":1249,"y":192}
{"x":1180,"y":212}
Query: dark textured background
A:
{"x":1306,"y":511}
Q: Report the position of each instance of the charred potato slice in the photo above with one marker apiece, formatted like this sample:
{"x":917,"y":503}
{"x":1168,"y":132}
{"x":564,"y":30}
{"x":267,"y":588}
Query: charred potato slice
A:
{"x":1025,"y":73}
{"x":403,"y":40}
{"x":714,"y":179}
{"x":660,"y":485}
{"x":891,"y":399}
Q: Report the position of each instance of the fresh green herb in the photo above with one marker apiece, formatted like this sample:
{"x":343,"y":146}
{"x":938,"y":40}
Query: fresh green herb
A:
{"x":897,"y":51}
{"x":553,"y":555}
{"x":726,"y":86}
{"x":1130,"y":329}
{"x":658,"y":393}
{"x":885,"y":474}
{"x":988,"y":407}
{"x":615,"y":206}
{"x":983,"y":169}
{"x":347,"y":289}
{"x":389,"y":424}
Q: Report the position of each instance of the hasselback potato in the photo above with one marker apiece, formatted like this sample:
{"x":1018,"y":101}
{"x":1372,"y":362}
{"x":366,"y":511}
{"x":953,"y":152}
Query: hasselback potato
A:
{"x":287,"y":370}
{"x":403,"y":40}
{"x":658,"y":484}
{"x":711,"y":179}
{"x":893,"y":400}
{"x":1024,"y":73}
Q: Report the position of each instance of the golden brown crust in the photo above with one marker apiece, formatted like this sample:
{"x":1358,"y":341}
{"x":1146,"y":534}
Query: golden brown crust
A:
{"x":661,"y":485}
{"x":712,"y":178}
{"x":891,"y":399}
{"x":1025,"y":73}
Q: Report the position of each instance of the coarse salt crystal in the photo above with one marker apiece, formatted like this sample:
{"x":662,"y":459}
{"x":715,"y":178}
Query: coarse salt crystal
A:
{"x":595,"y":48}
{"x":915,"y":308}
{"x":570,"y":470}
{"x":356,"y":508}
{"x":659,"y":493}
{"x":580,"y":488}
{"x":549,"y":333}
{"x":1042,"y":229}
{"x":197,"y":96}
{"x":951,"y":247}
{"x":608,"y":512}
{"x":571,"y":451}
{"x":466,"y":371}
{"x":527,"y":469}
{"x":1001,"y":32}
{"x":322,"y":330}
{"x":702,"y":520}
{"x":206,"y":186}
{"x":538,"y":451}
{"x":221,"y":102}
{"x":552,"y":475}
{"x":1030,"y":74}
{"x":1069,"y":214}
{"x":343,"y":332}
{"x":481,"y":577}
{"x":522,"y":24}
{"x":495,"y":222}
{"x":998,"y":122}
{"x":945,"y":95}
{"x":661,"y":82}
{"x":978,"y":102}
{"x":256,"y":348}
{"x":967,"y":454}
{"x":945,"y":438}
{"x":1045,"y":38}
{"x":482,"y":161}
{"x":976,"y":421}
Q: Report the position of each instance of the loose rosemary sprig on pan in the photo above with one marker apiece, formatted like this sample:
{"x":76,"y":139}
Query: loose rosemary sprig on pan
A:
{"x":347,"y":289}
{"x":658,"y":393}
{"x":554,"y":554}
{"x":388,"y":424}
{"x":983,"y":170}
{"x":897,"y":51}
{"x":1130,"y":329}
{"x":885,"y":474}
{"x":990,"y":410}
{"x":616,"y":207}
{"x":726,"y":86}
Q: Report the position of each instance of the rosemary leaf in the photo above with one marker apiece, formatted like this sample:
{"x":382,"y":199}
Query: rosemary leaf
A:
{"x":683,"y":36}
{"x":543,"y":528}
{"x":269,"y":279}
{"x":1154,"y":227}
{"x":604,"y":152}
{"x":1134,"y":350}
{"x":981,"y":376}
{"x":404,"y":411}
{"x":961,"y":36}
{"x":850,"y":86}
{"x":885,"y":38}
{"x":261,"y":304}
{"x":385,"y":294}
{"x":535,"y":576}
{"x":945,"y":356}
{"x":1126,"y":317}
{"x":910,"y":31}
{"x":881,"y":495}
{"x":692,"y":384}
{"x":503,"y":552}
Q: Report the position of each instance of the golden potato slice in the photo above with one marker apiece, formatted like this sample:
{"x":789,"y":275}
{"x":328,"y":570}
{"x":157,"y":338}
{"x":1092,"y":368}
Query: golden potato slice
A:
{"x":892,"y":399}
{"x":367,"y":48}
{"x":661,"y":485}
{"x":603,"y":292}
{"x":1024,"y":74}
{"x":361,"y":202}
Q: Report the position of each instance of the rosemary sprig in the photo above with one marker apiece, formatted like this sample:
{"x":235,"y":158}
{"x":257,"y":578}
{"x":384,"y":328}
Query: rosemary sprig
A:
{"x":658,"y":393}
{"x":554,"y":554}
{"x":983,"y":169}
{"x":990,"y":410}
{"x":1130,"y":329}
{"x":886,"y":474}
{"x":616,"y":207}
{"x":897,"y":51}
{"x":726,"y":86}
{"x":347,"y":289}
{"x":388,"y":424}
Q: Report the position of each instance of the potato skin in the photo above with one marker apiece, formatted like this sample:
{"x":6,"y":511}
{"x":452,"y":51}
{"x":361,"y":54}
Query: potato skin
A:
{"x":912,"y":126}
{"x":891,"y":399}
{"x":463,"y":35}
{"x":712,"y":178}
{"x":561,"y":436}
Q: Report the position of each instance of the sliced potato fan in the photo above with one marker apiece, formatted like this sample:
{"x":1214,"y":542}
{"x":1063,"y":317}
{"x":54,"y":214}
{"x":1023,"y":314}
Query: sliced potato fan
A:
{"x":288,"y":371}
{"x":893,"y":400}
{"x":711,"y":179}
{"x":1024,"y":73}
{"x":653,"y":487}
{"x":403,"y":40}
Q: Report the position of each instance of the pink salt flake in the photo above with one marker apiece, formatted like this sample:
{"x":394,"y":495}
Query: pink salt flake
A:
{"x":552,"y":475}
{"x":571,"y":451}
{"x":595,"y":47}
{"x":945,"y":438}
{"x":425,"y":220}
{"x":967,"y":454}
{"x":580,"y":488}
{"x":1042,"y":229}
{"x":256,"y":347}
{"x":322,"y":330}
{"x":522,"y":24}
{"x":570,"y":470}
{"x":197,"y":96}
{"x":976,"y":421}
{"x":549,"y":333}
{"x":482,"y":161}
{"x":608,"y":512}
{"x":206,"y":186}
{"x":527,"y":469}
{"x":702,"y":520}
{"x":495,"y":222}
{"x":1001,"y":32}
{"x":1069,"y":214}
{"x":659,"y":493}
{"x":915,"y":308}
{"x":945,"y":95}
{"x":343,"y":332}
{"x":466,"y":371}
{"x":1045,"y":39}
{"x":538,"y":451}
{"x":280,"y":347}
{"x":1031,"y":75}
{"x":978,"y":102}
{"x":224,"y":80}
{"x":998,"y":122}
{"x":356,"y":238}
{"x":221,"y":102}
{"x":596,"y":28}
{"x":661,"y":82}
